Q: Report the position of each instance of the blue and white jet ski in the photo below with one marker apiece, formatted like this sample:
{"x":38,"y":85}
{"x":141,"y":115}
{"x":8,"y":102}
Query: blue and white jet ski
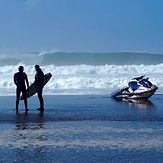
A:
{"x":138,"y":88}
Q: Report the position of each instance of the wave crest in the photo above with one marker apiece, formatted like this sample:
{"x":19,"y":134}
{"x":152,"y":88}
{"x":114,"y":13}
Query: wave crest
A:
{"x":83,"y":79}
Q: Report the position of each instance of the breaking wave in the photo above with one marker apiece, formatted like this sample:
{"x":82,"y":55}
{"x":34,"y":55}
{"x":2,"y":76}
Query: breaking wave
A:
{"x":81,"y":58}
{"x":83,"y":79}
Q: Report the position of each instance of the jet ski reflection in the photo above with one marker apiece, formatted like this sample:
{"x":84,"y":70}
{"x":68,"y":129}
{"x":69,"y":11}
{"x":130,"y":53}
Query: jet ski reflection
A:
{"x":138,"y":88}
{"x":139,"y":103}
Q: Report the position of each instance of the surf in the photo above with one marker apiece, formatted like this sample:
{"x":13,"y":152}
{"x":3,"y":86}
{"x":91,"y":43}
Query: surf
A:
{"x":81,"y":58}
{"x":81,"y":73}
{"x":83,"y":79}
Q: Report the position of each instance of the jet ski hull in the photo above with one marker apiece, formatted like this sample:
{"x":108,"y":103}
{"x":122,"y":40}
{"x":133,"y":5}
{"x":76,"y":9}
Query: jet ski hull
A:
{"x":121,"y":94}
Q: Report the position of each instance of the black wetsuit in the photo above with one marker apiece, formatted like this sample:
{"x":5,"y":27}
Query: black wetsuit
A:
{"x":39,"y":79}
{"x":19,"y":80}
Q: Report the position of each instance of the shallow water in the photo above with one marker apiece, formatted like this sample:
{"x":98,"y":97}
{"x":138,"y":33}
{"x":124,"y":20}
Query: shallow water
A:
{"x":82,"y":129}
{"x":82,"y":141}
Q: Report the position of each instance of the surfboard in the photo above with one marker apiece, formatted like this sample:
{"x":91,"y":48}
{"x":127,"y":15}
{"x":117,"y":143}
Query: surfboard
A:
{"x":32,"y":88}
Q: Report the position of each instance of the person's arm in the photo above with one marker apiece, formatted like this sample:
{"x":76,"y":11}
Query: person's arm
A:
{"x":42,"y":77}
{"x":27,"y":81}
{"x":39,"y":78}
{"x":15,"y":80}
{"x":36,"y":79}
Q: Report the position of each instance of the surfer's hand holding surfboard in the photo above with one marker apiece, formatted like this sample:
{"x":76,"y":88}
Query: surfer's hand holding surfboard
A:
{"x":33,"y":87}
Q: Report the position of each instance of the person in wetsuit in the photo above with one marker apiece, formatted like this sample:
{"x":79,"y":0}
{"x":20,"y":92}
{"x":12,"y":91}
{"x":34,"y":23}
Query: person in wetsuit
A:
{"x":20,"y":78}
{"x":39,"y":81}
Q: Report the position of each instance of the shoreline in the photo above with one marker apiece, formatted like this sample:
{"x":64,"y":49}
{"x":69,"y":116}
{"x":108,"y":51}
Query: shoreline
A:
{"x":87,"y":107}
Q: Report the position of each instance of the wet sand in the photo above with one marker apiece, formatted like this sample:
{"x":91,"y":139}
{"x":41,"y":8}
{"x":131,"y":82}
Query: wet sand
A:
{"x":82,"y":129}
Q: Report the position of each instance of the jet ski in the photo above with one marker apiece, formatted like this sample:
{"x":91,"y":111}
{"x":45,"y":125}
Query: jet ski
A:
{"x":138,"y":88}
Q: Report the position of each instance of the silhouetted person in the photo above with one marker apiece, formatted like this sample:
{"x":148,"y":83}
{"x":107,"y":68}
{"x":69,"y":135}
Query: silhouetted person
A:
{"x":20,"y":78}
{"x":39,"y":81}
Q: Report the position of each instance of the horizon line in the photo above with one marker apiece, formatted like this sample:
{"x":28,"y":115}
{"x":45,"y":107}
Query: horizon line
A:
{"x":69,"y":51}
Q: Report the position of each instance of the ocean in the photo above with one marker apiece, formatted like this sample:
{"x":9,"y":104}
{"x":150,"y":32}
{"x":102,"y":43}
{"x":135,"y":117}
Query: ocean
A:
{"x":84,"y":73}
{"x":81,"y":122}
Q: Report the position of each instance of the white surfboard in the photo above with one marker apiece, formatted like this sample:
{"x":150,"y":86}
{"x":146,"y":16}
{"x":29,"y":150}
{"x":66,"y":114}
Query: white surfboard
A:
{"x":32,"y":88}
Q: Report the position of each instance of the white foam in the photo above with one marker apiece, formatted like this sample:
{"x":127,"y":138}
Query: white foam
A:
{"x":83,"y":79}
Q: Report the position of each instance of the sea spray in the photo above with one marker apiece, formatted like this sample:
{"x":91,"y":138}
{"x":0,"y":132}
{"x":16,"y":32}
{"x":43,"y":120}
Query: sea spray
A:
{"x":83,"y":79}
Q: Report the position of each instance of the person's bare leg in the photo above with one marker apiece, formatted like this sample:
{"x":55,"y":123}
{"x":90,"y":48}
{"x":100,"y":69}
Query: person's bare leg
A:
{"x":25,"y":100}
{"x":41,"y":100}
{"x":17,"y":99}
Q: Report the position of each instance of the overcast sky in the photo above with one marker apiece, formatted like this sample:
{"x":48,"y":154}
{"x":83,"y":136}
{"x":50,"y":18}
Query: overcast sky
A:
{"x":81,"y":25}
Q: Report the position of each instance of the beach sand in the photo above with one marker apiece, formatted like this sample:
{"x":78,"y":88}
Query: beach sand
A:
{"x":82,"y":129}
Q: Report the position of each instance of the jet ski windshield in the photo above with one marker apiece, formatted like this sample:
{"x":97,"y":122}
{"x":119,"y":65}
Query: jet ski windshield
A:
{"x":133,"y":85}
{"x":139,"y":82}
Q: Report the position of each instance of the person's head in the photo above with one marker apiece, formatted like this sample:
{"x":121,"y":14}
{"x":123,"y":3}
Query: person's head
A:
{"x":37,"y":67}
{"x":21,"y":68}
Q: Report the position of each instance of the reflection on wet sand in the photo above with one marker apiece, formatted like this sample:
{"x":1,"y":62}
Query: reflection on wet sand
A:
{"x":29,"y":135}
{"x":25,"y":126}
{"x":29,"y":121}
{"x":140,"y":103}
